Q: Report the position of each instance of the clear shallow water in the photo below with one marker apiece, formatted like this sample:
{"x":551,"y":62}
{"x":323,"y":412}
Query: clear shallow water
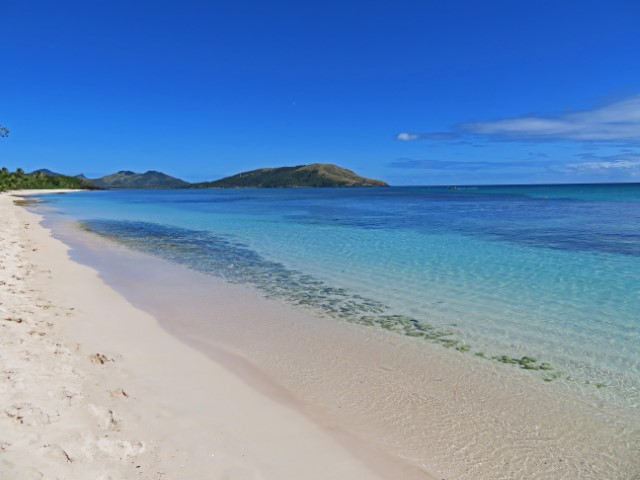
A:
{"x":549,"y":272}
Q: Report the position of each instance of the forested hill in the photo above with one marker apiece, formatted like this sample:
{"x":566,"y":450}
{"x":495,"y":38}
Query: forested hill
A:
{"x":19,"y":180}
{"x":315,"y":175}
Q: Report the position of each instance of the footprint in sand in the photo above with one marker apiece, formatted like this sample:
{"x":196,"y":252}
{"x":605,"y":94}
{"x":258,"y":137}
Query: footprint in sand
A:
{"x":106,"y":417}
{"x":10,"y":381}
{"x":56,"y":452}
{"x":29,"y":415}
{"x":119,"y":393}
{"x":12,"y":471}
{"x":57,"y":349}
{"x":68,"y":395}
{"x":120,"y":448}
{"x":69,"y":371}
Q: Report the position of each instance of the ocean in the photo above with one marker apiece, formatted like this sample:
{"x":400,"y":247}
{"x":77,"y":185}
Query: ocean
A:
{"x":542,"y":279}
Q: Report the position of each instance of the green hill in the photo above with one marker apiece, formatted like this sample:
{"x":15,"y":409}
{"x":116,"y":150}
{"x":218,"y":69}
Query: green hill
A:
{"x":150,"y":179}
{"x":315,"y":175}
{"x":39,"y":180}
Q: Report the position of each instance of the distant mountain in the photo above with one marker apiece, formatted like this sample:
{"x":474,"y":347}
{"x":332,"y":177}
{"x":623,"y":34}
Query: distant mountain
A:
{"x":150,"y":179}
{"x":315,"y":175}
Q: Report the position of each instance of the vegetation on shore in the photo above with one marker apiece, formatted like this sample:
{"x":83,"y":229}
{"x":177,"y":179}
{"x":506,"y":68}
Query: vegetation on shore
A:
{"x":19,"y":180}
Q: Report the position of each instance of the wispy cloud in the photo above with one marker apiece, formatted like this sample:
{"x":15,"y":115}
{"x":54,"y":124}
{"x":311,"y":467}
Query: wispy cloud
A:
{"x":406,"y":136}
{"x":625,"y":162}
{"x":615,"y":122}
{"x":415,"y":164}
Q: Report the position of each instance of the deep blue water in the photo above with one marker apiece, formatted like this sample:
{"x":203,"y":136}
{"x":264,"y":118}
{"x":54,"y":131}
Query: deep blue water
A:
{"x":551,"y":272}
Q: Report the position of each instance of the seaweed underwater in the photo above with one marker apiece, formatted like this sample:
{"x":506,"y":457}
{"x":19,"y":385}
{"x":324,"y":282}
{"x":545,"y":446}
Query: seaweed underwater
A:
{"x":236,"y":263}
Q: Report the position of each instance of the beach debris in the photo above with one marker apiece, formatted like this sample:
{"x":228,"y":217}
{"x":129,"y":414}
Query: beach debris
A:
{"x":13,"y":319}
{"x":99,"y":358}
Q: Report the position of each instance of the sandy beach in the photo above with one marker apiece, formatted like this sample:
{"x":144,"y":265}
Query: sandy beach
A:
{"x":91,"y":387}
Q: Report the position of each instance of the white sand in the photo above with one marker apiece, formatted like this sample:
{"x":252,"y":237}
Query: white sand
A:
{"x":93,"y":388}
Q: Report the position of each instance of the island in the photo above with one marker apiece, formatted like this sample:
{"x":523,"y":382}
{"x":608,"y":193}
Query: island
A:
{"x":314,"y":175}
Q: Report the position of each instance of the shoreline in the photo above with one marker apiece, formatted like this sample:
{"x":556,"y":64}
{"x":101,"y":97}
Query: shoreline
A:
{"x":377,"y":395}
{"x":93,"y":386}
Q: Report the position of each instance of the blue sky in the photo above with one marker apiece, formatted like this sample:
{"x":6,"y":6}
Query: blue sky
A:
{"x":424,"y":92}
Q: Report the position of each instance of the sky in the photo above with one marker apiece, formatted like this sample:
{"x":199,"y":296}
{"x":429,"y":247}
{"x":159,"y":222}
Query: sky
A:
{"x":412,"y":92}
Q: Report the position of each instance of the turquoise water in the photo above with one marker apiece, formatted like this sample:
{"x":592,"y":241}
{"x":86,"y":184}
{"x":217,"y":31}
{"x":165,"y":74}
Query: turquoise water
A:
{"x":541,"y":278}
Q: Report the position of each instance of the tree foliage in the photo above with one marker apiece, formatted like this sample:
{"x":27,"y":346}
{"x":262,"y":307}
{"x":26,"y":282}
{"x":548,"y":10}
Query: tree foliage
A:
{"x":19,"y":180}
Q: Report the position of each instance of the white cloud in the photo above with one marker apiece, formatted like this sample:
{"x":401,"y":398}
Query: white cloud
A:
{"x":438,"y":136}
{"x":618,"y":121}
{"x":407,"y":136}
{"x":615,"y":122}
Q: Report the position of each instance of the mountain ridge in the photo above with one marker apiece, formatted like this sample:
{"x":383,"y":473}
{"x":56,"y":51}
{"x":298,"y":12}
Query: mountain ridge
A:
{"x":313,"y":175}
